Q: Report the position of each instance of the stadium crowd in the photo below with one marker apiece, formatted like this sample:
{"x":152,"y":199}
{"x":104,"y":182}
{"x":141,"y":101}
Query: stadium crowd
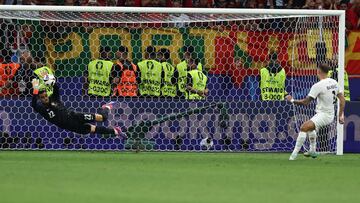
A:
{"x":292,"y":4}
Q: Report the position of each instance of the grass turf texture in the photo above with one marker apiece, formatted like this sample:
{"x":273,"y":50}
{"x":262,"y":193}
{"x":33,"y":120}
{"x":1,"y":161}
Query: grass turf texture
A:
{"x":85,"y":177}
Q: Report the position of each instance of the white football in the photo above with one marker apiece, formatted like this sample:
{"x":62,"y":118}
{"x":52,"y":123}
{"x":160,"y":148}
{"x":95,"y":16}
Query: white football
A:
{"x":207,"y":142}
{"x":49,"y":79}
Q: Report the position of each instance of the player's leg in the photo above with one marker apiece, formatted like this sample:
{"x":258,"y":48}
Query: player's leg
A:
{"x":103,"y":112}
{"x":86,"y":128}
{"x":82,"y":117}
{"x":306,"y":127}
{"x":101,"y":116}
{"x":312,"y":151}
{"x":107,"y":131}
{"x":320,"y":120}
{"x":312,"y":138}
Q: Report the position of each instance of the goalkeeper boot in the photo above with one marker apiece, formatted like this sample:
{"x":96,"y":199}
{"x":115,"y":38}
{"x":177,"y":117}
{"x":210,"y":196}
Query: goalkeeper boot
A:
{"x":311,"y":154}
{"x":109,"y":105}
{"x":292,"y":157}
{"x":119,"y":133}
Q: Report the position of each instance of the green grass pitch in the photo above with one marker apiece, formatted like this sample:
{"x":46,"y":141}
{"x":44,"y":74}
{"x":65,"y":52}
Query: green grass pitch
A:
{"x":109,"y":177}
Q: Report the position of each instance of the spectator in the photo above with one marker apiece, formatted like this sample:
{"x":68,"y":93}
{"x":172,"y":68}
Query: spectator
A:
{"x":278,"y":4}
{"x":233,"y":4}
{"x":351,"y":17}
{"x":251,"y":4}
{"x":153,"y":3}
{"x":93,"y":2}
{"x":177,"y":3}
{"x":48,"y":2}
{"x":111,"y":2}
{"x":319,"y":4}
{"x":221,"y":3}
{"x":9,"y":2}
{"x":330,"y":4}
{"x":202,"y":4}
{"x":196,"y":82}
{"x":7,"y":73}
{"x":356,"y":9}
{"x":130,"y":3}
{"x":27,"y":2}
{"x":125,"y":75}
{"x":69,"y":2}
{"x":310,"y":4}
{"x":272,"y":80}
{"x":261,"y":5}
{"x":150,"y":74}
{"x":98,"y":75}
{"x":296,"y":4}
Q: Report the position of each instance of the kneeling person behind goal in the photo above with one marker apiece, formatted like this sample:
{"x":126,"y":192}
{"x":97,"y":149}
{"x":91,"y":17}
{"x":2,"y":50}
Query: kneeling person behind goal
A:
{"x":326,"y":92}
{"x":53,"y":110}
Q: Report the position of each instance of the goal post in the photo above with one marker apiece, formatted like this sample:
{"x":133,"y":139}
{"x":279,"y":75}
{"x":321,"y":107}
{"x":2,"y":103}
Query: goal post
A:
{"x":230,"y":47}
{"x":341,"y":65}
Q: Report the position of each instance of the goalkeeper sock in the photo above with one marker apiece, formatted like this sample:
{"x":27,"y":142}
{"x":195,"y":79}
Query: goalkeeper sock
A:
{"x":104,"y":130}
{"x":312,"y":138}
{"x":299,"y":143}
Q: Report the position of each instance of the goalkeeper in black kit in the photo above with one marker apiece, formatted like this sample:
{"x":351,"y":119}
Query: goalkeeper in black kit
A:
{"x":53,"y":110}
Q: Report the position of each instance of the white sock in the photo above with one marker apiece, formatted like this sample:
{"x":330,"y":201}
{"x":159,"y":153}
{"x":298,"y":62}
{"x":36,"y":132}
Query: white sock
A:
{"x":312,"y":138}
{"x":299,"y":142}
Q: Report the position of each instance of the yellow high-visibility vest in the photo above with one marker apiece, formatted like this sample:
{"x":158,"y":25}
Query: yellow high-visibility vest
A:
{"x":272,"y":85}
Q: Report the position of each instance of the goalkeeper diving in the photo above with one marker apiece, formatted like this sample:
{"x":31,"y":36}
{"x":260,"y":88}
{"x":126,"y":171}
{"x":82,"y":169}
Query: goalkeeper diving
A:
{"x":326,"y":92}
{"x":53,"y":110}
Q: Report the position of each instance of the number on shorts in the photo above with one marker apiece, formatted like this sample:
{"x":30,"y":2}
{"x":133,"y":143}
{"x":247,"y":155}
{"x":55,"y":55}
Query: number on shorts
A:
{"x":51,"y":114}
{"x":88,"y":117}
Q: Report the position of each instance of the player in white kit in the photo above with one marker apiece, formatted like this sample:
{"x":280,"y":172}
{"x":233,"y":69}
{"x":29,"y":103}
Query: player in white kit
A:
{"x":326,"y":92}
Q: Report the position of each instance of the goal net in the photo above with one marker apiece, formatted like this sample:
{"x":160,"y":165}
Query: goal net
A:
{"x":248,"y":60}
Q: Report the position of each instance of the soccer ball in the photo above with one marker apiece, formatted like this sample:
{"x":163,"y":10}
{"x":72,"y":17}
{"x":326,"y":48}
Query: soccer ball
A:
{"x":207,"y":143}
{"x":49,"y":79}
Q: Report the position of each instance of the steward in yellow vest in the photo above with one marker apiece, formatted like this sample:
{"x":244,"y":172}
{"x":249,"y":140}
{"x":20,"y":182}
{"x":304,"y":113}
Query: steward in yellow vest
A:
{"x":40,"y":73}
{"x":272,"y":81}
{"x":169,"y":84}
{"x":334,"y":75}
{"x":196,"y":82}
{"x":99,"y":74}
{"x":150,"y":74}
{"x":182,"y":69}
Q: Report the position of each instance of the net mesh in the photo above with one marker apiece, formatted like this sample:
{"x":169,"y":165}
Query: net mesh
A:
{"x":229,"y":49}
{"x":321,"y":34}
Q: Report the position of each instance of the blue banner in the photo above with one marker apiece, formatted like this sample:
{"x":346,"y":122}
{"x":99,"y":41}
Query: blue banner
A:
{"x":352,"y":127}
{"x":253,"y":126}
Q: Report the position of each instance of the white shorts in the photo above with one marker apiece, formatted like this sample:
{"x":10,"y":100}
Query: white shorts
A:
{"x":322,"y":119}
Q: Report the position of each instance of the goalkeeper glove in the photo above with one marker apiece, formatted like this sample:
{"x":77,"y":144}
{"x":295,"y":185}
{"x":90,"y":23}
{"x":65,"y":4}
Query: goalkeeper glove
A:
{"x":36,"y":85}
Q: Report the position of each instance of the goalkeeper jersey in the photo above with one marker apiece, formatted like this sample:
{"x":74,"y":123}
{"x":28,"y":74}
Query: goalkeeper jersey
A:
{"x":55,"y":112}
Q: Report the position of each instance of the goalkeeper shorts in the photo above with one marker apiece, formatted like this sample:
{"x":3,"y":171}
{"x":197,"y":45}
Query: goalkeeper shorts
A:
{"x":322,"y":119}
